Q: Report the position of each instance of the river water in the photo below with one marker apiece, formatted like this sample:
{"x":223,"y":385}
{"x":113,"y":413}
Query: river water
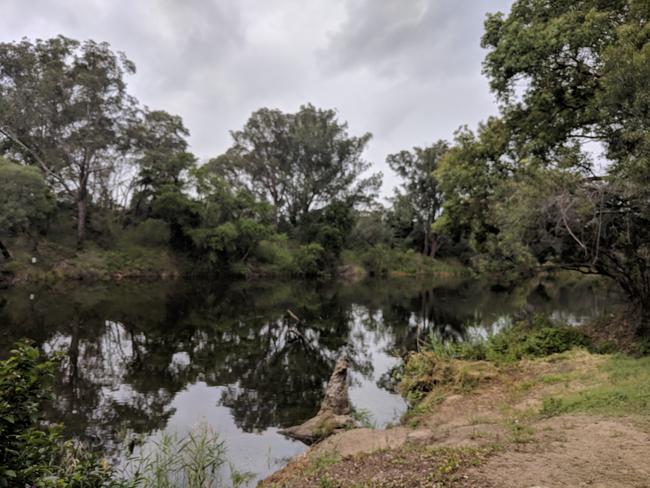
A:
{"x":143,"y":359}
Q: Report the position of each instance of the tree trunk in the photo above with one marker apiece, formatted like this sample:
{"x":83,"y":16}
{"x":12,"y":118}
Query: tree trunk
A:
{"x":426,"y":229}
{"x":5,"y":252}
{"x":81,"y":219}
{"x":435,"y":245}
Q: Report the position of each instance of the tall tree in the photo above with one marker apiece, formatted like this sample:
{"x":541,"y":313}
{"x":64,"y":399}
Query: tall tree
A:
{"x":420,"y":189}
{"x":64,"y":108}
{"x":567,"y":72}
{"x":299,"y":161}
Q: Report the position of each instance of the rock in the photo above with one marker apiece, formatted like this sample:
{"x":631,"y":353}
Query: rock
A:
{"x":334,"y":413}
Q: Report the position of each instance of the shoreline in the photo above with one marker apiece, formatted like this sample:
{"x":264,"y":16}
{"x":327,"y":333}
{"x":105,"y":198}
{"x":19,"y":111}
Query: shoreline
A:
{"x":533,"y":422}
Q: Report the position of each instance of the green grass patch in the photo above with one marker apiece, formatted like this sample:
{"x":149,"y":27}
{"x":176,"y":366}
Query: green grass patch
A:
{"x":320,"y":463}
{"x":624,"y":390}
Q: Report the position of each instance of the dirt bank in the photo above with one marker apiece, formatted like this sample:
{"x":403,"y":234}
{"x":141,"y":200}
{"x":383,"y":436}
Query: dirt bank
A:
{"x":569,"y":420}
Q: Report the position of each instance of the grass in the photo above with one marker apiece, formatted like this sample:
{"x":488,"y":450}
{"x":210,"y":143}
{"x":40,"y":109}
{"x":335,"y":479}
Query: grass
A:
{"x":321,"y":462}
{"x":382,"y":261}
{"x":623,"y":388}
{"x":197,"y":460}
{"x":56,"y":263}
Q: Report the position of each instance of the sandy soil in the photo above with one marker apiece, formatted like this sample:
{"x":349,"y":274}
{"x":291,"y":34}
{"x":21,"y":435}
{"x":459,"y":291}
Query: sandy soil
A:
{"x":487,"y":438}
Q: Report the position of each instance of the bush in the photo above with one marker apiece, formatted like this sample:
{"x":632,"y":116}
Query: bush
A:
{"x":511,"y":344}
{"x":516,"y":343}
{"x":151,"y":233}
{"x":377,"y":261}
{"x":31,"y":454}
{"x":310,"y":260}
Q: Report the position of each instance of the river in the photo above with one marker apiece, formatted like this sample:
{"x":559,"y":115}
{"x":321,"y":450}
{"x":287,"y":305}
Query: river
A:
{"x":143,"y":359}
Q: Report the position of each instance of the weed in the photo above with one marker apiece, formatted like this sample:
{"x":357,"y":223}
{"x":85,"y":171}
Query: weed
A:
{"x":321,"y":462}
{"x":364,"y":418}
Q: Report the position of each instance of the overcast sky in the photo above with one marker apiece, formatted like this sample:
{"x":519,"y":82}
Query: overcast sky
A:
{"x":408,"y":71}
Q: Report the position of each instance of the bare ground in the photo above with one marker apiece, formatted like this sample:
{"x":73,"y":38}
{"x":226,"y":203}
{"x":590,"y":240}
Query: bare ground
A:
{"x":492,"y":437}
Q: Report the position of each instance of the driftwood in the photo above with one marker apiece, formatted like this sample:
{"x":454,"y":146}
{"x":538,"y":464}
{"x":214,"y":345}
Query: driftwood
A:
{"x":334,"y":411}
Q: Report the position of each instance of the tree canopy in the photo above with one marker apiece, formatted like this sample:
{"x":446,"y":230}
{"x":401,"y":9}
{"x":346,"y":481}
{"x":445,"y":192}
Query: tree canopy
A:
{"x":299,"y":161}
{"x":64,"y":108}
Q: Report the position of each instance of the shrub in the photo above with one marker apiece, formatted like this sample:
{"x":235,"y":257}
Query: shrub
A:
{"x":511,"y":344}
{"x":31,"y":454}
{"x":310,"y":260}
{"x":152,"y":232}
{"x":377,"y":261}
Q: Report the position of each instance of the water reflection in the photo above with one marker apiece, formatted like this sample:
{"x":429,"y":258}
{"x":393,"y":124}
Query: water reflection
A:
{"x":248,"y":359}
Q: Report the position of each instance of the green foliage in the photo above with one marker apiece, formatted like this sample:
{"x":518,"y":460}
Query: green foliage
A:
{"x":419,"y":202}
{"x":311,"y":261}
{"x":298,"y":161}
{"x":25,"y":202}
{"x":31,"y":454}
{"x":162,"y":158}
{"x":64,"y":108}
{"x":150,"y":233}
{"x":512,"y":343}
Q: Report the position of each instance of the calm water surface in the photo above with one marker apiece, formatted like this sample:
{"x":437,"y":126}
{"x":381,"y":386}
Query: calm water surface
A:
{"x":143,"y":359}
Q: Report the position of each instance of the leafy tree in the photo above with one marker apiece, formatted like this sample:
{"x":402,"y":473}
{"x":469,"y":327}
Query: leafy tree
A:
{"x":420,"y":190}
{"x":25,"y":202}
{"x":232,"y":222}
{"x":329,"y":227}
{"x":566,"y":73}
{"x":468,"y":176}
{"x":64,"y":108}
{"x":569,"y":71}
{"x":371,"y":228}
{"x":162,"y":156}
{"x":299,"y":161}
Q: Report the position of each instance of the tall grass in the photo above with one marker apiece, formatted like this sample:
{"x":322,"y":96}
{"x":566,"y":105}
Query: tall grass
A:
{"x":197,"y":460}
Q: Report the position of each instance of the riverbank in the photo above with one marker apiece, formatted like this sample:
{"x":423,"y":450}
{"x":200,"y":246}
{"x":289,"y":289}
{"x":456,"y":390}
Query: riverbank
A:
{"x":575,"y":418}
{"x":48,"y":262}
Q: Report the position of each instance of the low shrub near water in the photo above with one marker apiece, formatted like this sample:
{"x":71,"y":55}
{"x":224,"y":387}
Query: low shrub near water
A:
{"x":444,"y":366}
{"x":511,"y":344}
{"x":32,"y":454}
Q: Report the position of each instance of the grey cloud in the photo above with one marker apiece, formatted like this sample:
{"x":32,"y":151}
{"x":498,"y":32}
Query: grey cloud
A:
{"x":415,"y":38}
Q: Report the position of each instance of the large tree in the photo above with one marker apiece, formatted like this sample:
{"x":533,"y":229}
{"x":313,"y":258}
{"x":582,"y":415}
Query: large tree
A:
{"x":64,"y":108}
{"x":566,"y":73}
{"x":299,"y":161}
{"x":420,"y":189}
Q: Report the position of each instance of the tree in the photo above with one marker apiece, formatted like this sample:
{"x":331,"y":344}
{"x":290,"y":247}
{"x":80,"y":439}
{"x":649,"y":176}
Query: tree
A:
{"x":565,"y":73}
{"x":160,"y":144}
{"x":561,"y":71}
{"x":231,"y":221}
{"x":468,"y":176}
{"x":25,"y":202}
{"x":420,"y":189}
{"x":299,"y":161}
{"x":64,"y":108}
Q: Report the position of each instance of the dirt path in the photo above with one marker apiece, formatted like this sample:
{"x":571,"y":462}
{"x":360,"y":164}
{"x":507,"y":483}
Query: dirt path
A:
{"x":491,"y":437}
{"x":572,"y":452}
